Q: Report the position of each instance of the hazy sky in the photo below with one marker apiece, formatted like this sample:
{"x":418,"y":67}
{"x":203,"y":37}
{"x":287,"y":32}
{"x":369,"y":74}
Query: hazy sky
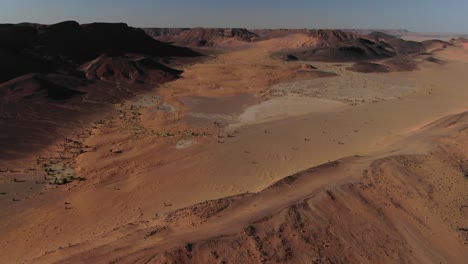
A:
{"x":416,"y":15}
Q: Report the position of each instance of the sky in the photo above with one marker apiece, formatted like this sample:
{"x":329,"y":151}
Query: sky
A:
{"x":415,"y":15}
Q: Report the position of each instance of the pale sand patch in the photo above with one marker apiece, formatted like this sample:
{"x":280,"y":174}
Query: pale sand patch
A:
{"x":185,"y":143}
{"x":283,"y":107}
{"x":288,"y":42}
{"x":454,"y":54}
{"x":354,"y":88}
{"x":218,"y":105}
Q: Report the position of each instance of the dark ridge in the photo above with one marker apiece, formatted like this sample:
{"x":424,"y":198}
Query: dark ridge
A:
{"x":381,"y":35}
{"x":35,"y":87}
{"x":400,"y":46}
{"x":402,"y":64}
{"x":14,"y":64}
{"x":392,"y":32}
{"x":434,"y":60}
{"x":85,"y":42}
{"x":435,"y":44}
{"x":338,"y":46}
{"x":127,"y":68}
{"x":352,"y":50}
{"x":325,"y":37}
{"x":56,"y":92}
{"x":289,"y":57}
{"x":200,"y":37}
{"x":368,"y":67}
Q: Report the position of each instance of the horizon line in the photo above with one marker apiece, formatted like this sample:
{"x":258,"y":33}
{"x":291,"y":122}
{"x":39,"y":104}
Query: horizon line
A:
{"x":239,"y":27}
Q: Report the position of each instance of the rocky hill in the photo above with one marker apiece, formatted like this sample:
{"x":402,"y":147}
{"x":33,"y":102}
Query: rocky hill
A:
{"x":339,"y":46}
{"x":57,"y":75}
{"x":62,"y":47}
{"x":202,"y":37}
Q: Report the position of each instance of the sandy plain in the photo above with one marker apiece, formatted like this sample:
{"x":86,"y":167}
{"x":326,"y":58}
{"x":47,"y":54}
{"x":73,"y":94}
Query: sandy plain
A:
{"x":235,"y":126}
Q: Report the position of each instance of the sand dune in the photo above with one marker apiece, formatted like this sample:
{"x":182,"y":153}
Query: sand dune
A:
{"x":330,"y":213}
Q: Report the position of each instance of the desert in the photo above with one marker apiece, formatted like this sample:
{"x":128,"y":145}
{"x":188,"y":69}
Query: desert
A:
{"x":121,"y":144}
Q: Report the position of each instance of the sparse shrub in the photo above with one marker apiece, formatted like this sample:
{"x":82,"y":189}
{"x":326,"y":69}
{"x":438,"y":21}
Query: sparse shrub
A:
{"x":189,"y":247}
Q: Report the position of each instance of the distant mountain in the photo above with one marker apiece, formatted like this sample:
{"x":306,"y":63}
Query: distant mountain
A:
{"x":461,"y":41}
{"x":340,"y":46}
{"x":393,"y":32}
{"x":328,"y":36}
{"x":349,"y":50}
{"x":435,"y":44}
{"x":398,"y":45}
{"x":202,"y":37}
